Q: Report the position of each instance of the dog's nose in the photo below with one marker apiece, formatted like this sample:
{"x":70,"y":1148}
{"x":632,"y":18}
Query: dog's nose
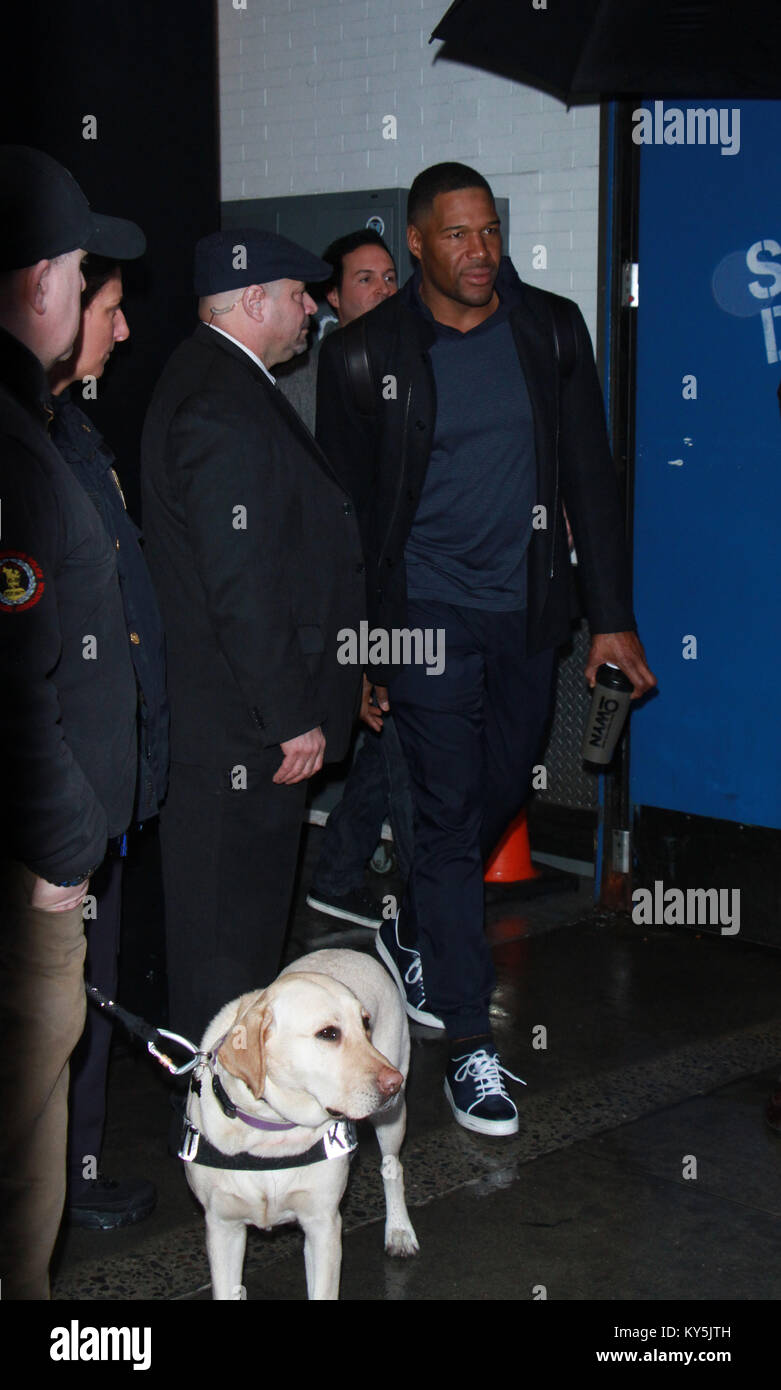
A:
{"x":389,"y":1081}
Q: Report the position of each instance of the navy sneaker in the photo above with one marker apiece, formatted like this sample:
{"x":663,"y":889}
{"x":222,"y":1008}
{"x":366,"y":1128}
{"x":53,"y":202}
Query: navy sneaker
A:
{"x":405,"y":967}
{"x":475,"y":1090}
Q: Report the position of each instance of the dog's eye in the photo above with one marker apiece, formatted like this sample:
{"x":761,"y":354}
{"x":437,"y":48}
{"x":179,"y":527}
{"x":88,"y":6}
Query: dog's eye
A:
{"x":330,"y":1034}
{"x":367,"y":1023}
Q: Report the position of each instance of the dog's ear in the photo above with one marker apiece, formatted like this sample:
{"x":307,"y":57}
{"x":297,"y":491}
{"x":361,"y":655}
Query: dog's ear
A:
{"x":243,"y":1051}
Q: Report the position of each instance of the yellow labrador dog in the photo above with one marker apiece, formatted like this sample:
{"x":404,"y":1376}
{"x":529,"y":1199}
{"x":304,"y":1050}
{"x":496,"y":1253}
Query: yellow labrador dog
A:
{"x":286,"y":1071}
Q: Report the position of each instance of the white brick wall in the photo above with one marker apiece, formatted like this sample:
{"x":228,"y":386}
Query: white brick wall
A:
{"x":304,"y":87}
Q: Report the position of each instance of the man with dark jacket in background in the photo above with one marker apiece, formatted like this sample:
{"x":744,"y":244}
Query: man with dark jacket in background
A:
{"x":94,"y":1199}
{"x":69,"y":701}
{"x":459,"y":457}
{"x":255,"y":552}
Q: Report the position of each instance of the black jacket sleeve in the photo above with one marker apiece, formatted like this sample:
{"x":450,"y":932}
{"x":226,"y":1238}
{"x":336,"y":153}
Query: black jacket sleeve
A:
{"x":591,"y":495}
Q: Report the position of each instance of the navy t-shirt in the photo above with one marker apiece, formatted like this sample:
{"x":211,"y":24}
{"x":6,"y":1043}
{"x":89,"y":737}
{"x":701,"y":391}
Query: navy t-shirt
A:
{"x":469,"y":538}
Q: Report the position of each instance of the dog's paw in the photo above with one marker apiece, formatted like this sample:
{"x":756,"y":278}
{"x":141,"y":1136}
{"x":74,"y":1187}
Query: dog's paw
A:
{"x":401,"y":1242}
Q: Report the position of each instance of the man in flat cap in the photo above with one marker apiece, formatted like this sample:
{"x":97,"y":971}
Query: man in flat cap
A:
{"x":69,"y":700}
{"x":255,"y":551}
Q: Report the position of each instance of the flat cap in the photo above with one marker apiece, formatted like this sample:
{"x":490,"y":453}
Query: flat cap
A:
{"x":237,"y":257}
{"x":43,"y":214}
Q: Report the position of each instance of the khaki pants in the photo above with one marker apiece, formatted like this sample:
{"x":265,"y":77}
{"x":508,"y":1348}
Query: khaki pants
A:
{"x":42,"y":1008}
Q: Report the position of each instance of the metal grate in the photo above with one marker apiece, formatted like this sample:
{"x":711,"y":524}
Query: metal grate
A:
{"x":569,"y":783}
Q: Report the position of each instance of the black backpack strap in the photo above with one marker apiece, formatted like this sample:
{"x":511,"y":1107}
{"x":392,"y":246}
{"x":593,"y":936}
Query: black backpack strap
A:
{"x":564,"y":340}
{"x":358,"y":366}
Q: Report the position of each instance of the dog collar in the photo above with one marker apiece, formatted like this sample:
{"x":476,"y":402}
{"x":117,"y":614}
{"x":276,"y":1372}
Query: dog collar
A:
{"x":227,"y":1106}
{"x":339,"y":1141}
{"x":234,"y":1113}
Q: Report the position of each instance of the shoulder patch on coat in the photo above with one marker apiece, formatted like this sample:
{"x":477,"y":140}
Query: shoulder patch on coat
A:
{"x":21,"y":581}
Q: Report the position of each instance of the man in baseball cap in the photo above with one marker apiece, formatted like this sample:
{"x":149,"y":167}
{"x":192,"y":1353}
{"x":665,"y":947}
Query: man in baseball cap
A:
{"x":68,"y":735}
{"x":254,"y":547}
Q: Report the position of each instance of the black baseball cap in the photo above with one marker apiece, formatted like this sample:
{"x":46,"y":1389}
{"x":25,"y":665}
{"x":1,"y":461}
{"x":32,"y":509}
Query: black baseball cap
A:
{"x":233,"y":259}
{"x":43,"y":214}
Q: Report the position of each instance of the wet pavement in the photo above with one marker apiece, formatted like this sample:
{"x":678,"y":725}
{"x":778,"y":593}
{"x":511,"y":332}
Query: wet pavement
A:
{"x":643,"y":1170}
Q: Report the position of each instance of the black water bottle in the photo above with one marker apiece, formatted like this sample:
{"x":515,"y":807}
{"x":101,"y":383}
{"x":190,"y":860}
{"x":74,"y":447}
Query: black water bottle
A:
{"x":609,"y":706}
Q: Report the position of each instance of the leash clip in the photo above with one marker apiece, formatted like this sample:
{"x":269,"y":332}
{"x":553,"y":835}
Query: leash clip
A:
{"x":166,"y":1061}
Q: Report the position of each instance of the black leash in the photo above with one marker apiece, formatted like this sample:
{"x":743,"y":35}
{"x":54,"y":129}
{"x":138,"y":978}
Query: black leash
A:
{"x":195,"y":1147}
{"x":139,"y":1028}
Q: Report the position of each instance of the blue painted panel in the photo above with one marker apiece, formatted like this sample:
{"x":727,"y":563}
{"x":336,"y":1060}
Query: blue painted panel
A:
{"x":708,"y":472}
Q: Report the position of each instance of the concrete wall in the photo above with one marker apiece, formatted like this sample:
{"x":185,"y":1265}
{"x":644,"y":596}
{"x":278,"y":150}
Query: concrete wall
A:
{"x":305,"y":90}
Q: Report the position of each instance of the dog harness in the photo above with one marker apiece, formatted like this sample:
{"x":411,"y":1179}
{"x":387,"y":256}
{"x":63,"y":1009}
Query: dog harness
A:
{"x":339,"y":1140}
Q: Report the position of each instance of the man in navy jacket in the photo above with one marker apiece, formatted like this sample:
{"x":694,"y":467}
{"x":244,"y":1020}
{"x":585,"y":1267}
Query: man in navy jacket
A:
{"x":460,"y":465}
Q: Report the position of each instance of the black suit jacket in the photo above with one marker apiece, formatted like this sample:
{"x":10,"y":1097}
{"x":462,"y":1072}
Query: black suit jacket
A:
{"x":382,"y":458}
{"x":255,"y":551}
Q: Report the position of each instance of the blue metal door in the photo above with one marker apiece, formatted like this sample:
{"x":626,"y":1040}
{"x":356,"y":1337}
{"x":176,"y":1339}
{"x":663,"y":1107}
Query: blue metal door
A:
{"x":708,"y":460}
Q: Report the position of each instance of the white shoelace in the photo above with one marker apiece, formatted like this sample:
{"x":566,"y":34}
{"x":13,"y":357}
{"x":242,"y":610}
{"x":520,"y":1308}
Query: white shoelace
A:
{"x":414,"y":972}
{"x":486,"y":1071}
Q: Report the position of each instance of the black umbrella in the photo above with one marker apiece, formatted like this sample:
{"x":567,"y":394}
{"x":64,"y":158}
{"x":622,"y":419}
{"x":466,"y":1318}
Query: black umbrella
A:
{"x":587,"y":49}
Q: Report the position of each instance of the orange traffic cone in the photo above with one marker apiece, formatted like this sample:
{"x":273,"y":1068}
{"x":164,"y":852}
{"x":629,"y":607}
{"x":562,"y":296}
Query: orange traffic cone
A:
{"x":511,"y":861}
